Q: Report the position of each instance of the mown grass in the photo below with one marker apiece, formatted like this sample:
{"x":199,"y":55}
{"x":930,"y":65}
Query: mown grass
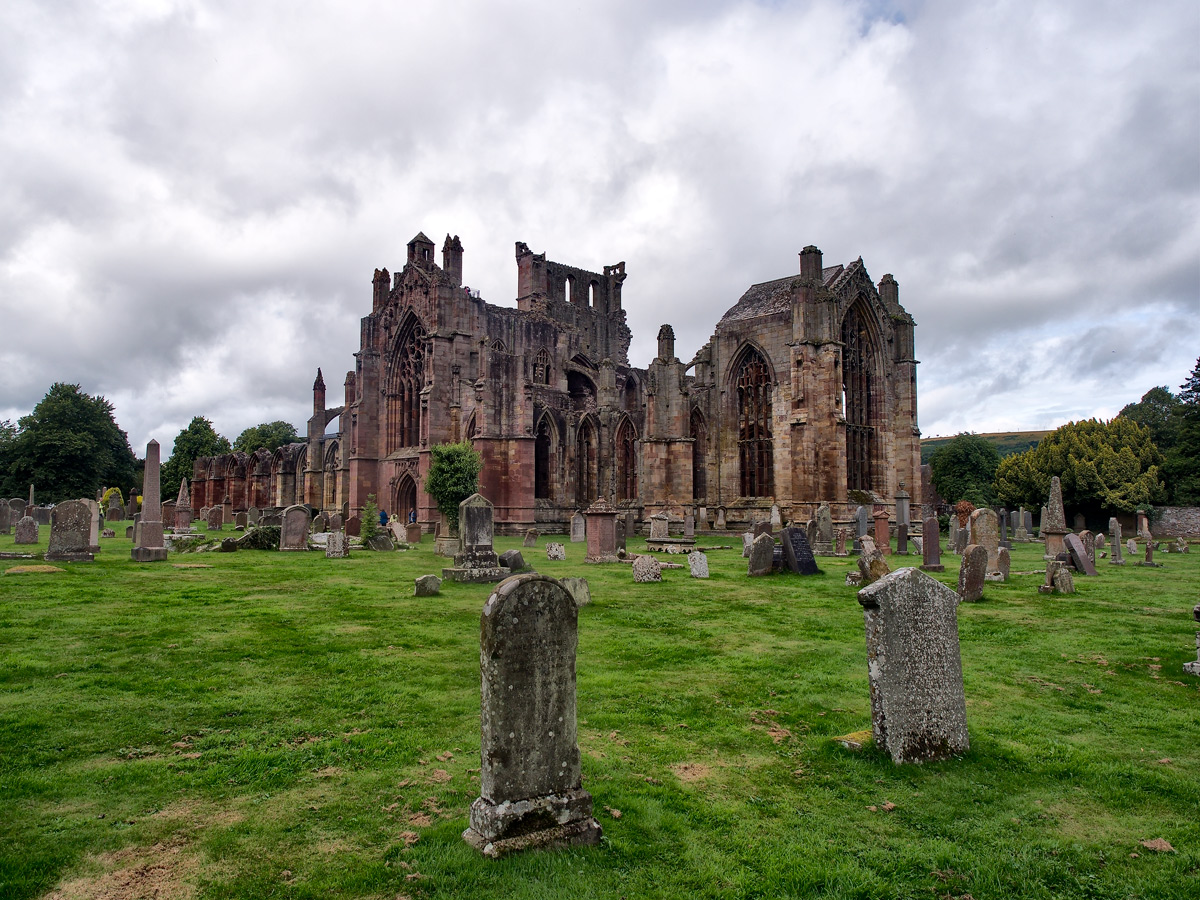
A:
{"x":278,"y":725}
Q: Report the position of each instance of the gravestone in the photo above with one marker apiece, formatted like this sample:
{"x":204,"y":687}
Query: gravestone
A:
{"x":601,"y":533}
{"x":42,"y":514}
{"x":1005,"y":563}
{"x":150,"y":547}
{"x":658,"y":527}
{"x":555,"y":550}
{"x":578,"y":528}
{"x":862,"y":525}
{"x":70,"y":532}
{"x":254,"y":516}
{"x":931,"y":546}
{"x":427,"y":586}
{"x":720,"y":523}
{"x":128,"y":532}
{"x":1101,"y":542}
{"x":903,"y":503}
{"x":646,"y":568}
{"x":1089,"y":545}
{"x":240,"y":520}
{"x":1131,"y":547}
{"x":882,"y":533}
{"x":354,"y":526}
{"x":1020,"y":532}
{"x":902,"y":539}
{"x":412,"y":533}
{"x":1149,"y":560}
{"x":1114,"y":530}
{"x":1058,"y":578}
{"x":531,"y":538}
{"x":215,"y":518}
{"x":530,"y":782}
{"x":985,"y":533}
{"x":702,"y":517}
{"x":183,"y":509}
{"x":293,"y":536}
{"x":1143,"y":526}
{"x":227,"y":509}
{"x":762,"y":555}
{"x":337,"y":545}
{"x":747,"y":543}
{"x":1080,"y":522}
{"x":872,"y":565}
{"x":16,"y":510}
{"x":1054,"y":520}
{"x":1193,"y":668}
{"x":972,"y":573}
{"x":108,"y":533}
{"x":823,"y":545}
{"x":689,"y":526}
{"x":698,"y":564}
{"x":630,"y":524}
{"x":168,"y":514}
{"x":1002,"y":519}
{"x":94,"y":531}
{"x":475,"y":535}
{"x":797,"y":554}
{"x":229,"y":545}
{"x":620,"y":535}
{"x":1027,"y":519}
{"x":319,"y":524}
{"x":26,"y":531}
{"x":512,"y":560}
{"x":1079,"y":558}
{"x":578,"y":589}
{"x":336,"y":522}
{"x":116,"y":512}
{"x":918,"y":706}
{"x":379,"y":542}
{"x":839,"y":542}
{"x":775,"y":520}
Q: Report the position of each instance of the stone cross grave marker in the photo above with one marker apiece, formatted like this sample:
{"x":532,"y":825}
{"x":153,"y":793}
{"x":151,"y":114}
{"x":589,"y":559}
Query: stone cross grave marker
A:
{"x":530,"y":782}
{"x":918,"y":706}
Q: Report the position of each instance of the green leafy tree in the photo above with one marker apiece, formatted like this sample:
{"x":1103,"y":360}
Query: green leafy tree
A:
{"x":198,"y":439}
{"x":965,"y":469}
{"x":369,"y":526}
{"x":453,"y":477}
{"x":1158,"y":411}
{"x":271,"y":435}
{"x":1181,"y":467}
{"x":1105,"y":467}
{"x":68,"y":447}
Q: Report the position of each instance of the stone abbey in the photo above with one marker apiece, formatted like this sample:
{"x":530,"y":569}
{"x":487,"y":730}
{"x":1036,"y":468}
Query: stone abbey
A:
{"x":805,"y":393}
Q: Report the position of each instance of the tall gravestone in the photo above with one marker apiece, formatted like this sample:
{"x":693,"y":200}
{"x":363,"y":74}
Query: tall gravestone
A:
{"x":1114,"y":530}
{"x":94,"y":530}
{"x":689,"y":526}
{"x":882,"y":534}
{"x":5,"y":519}
{"x":1088,"y":539}
{"x":183,"y":509}
{"x":985,"y":533}
{"x":918,"y":706}
{"x":476,"y":561}
{"x":578,"y":528}
{"x":972,"y":573}
{"x":824,"y":537}
{"x":1078,"y":554}
{"x":70,"y":532}
{"x":168,"y":515}
{"x":720,"y":523}
{"x":530,"y":782}
{"x":293,"y":535}
{"x":1020,"y":532}
{"x":1054,"y":520}
{"x":776,"y":520}
{"x":903,"y":504}
{"x":862,"y":525}
{"x":931,"y":546}
{"x":215,"y":518}
{"x":601,"y":533}
{"x":150,"y":529}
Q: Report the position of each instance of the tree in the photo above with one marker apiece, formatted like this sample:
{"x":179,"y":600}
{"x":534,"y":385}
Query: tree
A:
{"x":198,"y":439}
{"x":271,"y":435}
{"x":965,"y":468}
{"x":453,"y":477}
{"x":369,"y":524}
{"x":1105,"y":467}
{"x":1181,"y":467}
{"x":69,"y":447}
{"x":1158,"y":411}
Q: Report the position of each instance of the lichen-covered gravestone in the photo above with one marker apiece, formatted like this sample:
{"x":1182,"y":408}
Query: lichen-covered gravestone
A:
{"x":216,"y":518}
{"x":531,"y":538}
{"x":1079,"y":556}
{"x":698,"y":564}
{"x":578,"y":589}
{"x":26,"y":531}
{"x":1005,"y":562}
{"x":512,"y":560}
{"x":985,"y":532}
{"x":294,"y":533}
{"x":70,"y":532}
{"x":872,"y":565}
{"x":555,"y":550}
{"x":918,"y":707}
{"x":1114,"y":530}
{"x":762,"y":555}
{"x":530,"y":782}
{"x":972,"y":573}
{"x":427,"y":586}
{"x":337,"y":546}
{"x":646,"y":569}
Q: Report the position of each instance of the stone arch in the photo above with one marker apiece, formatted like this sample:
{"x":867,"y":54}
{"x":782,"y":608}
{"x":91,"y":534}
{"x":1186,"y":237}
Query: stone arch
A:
{"x":698,"y":428}
{"x":587,"y":461}
{"x":404,"y":381}
{"x":404,"y":499}
{"x":472,"y":430}
{"x":331,"y":499}
{"x":545,"y":457}
{"x":752,"y":390}
{"x":862,"y":396}
{"x":626,"y":459}
{"x":630,"y":396}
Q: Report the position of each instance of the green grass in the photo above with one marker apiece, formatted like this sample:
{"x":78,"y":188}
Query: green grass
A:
{"x":277,"y":726}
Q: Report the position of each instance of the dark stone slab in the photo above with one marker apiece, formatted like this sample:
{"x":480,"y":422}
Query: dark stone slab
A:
{"x":798,"y":555}
{"x":972,"y":573}
{"x":1079,"y":556}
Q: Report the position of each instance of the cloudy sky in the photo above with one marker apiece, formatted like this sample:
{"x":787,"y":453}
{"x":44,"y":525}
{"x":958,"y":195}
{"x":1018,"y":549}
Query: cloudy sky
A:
{"x":195,"y":194}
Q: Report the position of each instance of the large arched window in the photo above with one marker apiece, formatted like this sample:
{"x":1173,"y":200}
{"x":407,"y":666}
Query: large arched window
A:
{"x":585,"y":464}
{"x":699,"y":456}
{"x":330,"y":499}
{"x":543,"y":459}
{"x":541,"y":367}
{"x":755,"y":441}
{"x":858,"y":384}
{"x":626,"y":453}
{"x":406,"y":377}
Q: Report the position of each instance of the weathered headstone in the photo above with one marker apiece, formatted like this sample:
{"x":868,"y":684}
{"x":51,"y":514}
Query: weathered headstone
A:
{"x":531,"y":538}
{"x":319,"y":524}
{"x":720,"y":523}
{"x":1058,"y":578}
{"x":116,"y":512}
{"x":216,"y":518}
{"x":698,"y":564}
{"x":872,"y":565}
{"x":5,"y":519}
{"x":578,"y":589}
{"x":337,"y":545}
{"x":1002,"y":522}
{"x":775,"y":520}
{"x":931,"y":545}
{"x":862,"y":525}
{"x":747,"y":543}
{"x":762,"y":555}
{"x":689,"y":526}
{"x":380,"y":542}
{"x":183,"y":509}
{"x":1020,"y":532}
{"x":1193,"y":668}
{"x":412,"y":532}
{"x":354,"y":526}
{"x":578,"y":528}
{"x":1101,"y":541}
{"x":149,"y":532}
{"x":646,"y":568}
{"x":972,"y":573}
{"x":1089,"y":544}
{"x":427,"y":586}
{"x":882,"y":532}
{"x":70,"y":532}
{"x":1149,"y":560}
{"x":512,"y":560}
{"x":601,"y":533}
{"x":475,"y":535}
{"x":168,"y":514}
{"x":1054,"y":520}
{"x":26,"y":531}
{"x":294,"y":533}
{"x":241,"y":520}
{"x":1114,"y":530}
{"x":108,"y":533}
{"x":335,"y":522}
{"x":839,"y":542}
{"x":94,"y":530}
{"x":918,"y":706}
{"x":254,"y":516}
{"x":1005,"y":563}
{"x":1079,"y":558}
{"x":985,"y":533}
{"x":619,"y":530}
{"x":797,"y":555}
{"x":823,"y":545}
{"x":902,"y":539}
{"x":1143,"y":526}
{"x":555,"y":550}
{"x":659,"y":527}
{"x":530,"y":783}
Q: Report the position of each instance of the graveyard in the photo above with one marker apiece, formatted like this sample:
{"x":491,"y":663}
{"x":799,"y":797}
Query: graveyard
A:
{"x":266,"y":724}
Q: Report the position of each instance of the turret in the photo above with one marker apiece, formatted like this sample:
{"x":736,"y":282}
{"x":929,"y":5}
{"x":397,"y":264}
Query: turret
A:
{"x":666,"y":343}
{"x":810,"y":264}
{"x":420,"y":251}
{"x":452,"y":252}
{"x":319,"y":395}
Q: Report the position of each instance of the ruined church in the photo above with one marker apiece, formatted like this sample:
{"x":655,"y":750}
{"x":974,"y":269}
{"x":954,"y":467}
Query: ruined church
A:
{"x":806,"y":392}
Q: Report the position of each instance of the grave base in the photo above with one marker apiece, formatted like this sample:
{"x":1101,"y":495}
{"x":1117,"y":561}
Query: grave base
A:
{"x":148,"y":554}
{"x":577,"y":834}
{"x":564,"y":820}
{"x":933,"y":568}
{"x":78,"y":556}
{"x":475,"y":576}
{"x":669,"y":545}
{"x":1192,"y":668}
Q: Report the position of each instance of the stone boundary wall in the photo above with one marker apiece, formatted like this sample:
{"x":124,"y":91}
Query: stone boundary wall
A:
{"x":1176,"y":521}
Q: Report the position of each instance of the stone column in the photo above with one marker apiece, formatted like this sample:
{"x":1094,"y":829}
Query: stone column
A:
{"x":150,"y":531}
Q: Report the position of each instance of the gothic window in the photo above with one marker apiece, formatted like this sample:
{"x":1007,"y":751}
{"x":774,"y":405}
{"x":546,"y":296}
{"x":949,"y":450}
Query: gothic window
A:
{"x":858,"y":384}
{"x":541,"y":367}
{"x":330,"y":499}
{"x":543,"y":455}
{"x":585,"y":465}
{"x":406,"y":377}
{"x":699,"y":456}
{"x":498,"y":345}
{"x":755,"y":441}
{"x":626,"y":452}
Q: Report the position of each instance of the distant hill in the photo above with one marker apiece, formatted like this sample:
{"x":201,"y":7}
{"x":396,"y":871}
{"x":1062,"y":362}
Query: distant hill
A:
{"x":1007,"y":442}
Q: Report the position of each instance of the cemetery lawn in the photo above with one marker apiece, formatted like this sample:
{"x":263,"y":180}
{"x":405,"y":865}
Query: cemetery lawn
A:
{"x":283,"y":725}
